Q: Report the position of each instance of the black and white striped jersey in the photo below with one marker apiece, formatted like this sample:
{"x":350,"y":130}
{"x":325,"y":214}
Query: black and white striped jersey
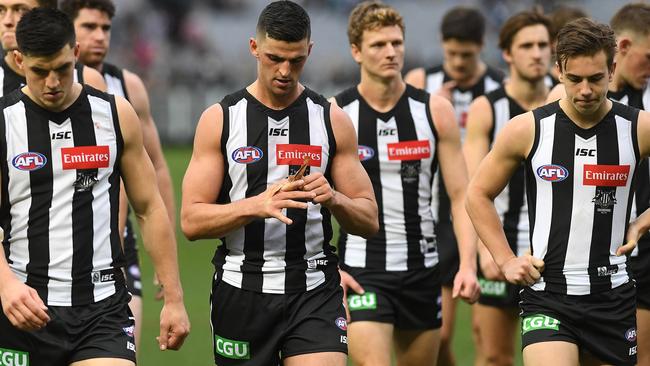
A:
{"x":60,"y":192}
{"x":114,"y":78}
{"x":638,"y":99}
{"x":579,"y":198}
{"x":462,"y":98}
{"x":261,"y":146}
{"x":11,"y":81}
{"x":511,"y":202}
{"x":398,"y":150}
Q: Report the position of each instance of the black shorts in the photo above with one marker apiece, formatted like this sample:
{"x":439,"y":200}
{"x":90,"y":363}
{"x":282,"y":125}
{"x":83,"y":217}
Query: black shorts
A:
{"x":602,"y":324}
{"x":132,"y":269}
{"x":640,"y":268}
{"x":409,"y":300}
{"x":100,"y":330}
{"x":500,"y":294}
{"x":258,"y":329}
{"x":448,"y":256}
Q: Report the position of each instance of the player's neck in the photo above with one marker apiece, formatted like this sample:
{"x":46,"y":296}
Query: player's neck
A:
{"x":480,"y":70}
{"x":11,"y":62}
{"x":618,"y":82}
{"x":585,"y":121}
{"x":271,"y":100}
{"x":71,"y":97}
{"x":381,"y":94}
{"x":530,"y":94}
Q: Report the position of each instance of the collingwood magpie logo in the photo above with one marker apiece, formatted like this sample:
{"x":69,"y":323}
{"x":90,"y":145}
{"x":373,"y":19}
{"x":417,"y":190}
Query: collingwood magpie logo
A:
{"x":86,"y":180}
{"x":410,"y":170}
{"x":604,"y":200}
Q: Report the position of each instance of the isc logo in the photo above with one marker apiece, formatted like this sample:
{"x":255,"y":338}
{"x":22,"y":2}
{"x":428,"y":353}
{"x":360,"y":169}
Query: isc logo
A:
{"x":552,"y":173}
{"x":585,"y":152}
{"x":62,"y":135}
{"x":29,"y":161}
{"x":278,"y":131}
{"x":247,"y":154}
{"x":387,"y":132}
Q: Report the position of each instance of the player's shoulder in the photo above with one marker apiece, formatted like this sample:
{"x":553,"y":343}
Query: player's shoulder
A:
{"x":315,"y":97}
{"x":494,"y":74}
{"x":347,"y":96}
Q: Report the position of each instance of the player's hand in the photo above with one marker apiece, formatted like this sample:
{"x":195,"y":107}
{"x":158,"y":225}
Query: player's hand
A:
{"x":324,"y":194}
{"x":466,"y":285}
{"x":160,"y":291}
{"x":281,"y":195}
{"x":174,"y":326}
{"x":446,"y":90}
{"x":524,"y":270}
{"x":489,"y":267}
{"x":632,"y":237}
{"x":22,"y":306}
{"x":348,"y":282}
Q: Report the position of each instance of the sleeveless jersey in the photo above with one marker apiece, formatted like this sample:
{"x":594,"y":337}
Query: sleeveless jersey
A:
{"x":11,"y":81}
{"x":579,"y":198}
{"x":60,"y":192}
{"x":114,"y":77}
{"x":261,"y":146}
{"x":511,"y":202}
{"x":398,"y":150}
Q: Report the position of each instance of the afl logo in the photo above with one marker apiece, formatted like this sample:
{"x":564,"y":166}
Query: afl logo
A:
{"x":29,"y":161}
{"x":552,"y":173}
{"x":341,"y":323}
{"x":247,"y":154}
{"x":365,"y":153}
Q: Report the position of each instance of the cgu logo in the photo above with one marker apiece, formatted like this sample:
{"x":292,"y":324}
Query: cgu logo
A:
{"x":247,"y":154}
{"x":232,"y":349}
{"x":367,"y":301}
{"x":365,"y":153}
{"x":29,"y":161}
{"x":552,"y":173}
{"x":13,"y":358}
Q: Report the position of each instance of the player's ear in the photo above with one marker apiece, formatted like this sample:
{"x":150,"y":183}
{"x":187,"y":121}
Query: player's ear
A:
{"x":356,"y":53}
{"x":76,"y":51}
{"x":18,"y":57}
{"x":252,"y":46}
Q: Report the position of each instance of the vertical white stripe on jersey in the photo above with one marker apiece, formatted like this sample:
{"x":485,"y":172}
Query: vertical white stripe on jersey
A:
{"x":582,"y":212}
{"x":75,"y":76}
{"x":491,"y":84}
{"x":543,"y":155}
{"x":113,"y":85}
{"x":60,"y":231}
{"x":2,"y":80}
{"x":237,"y":138}
{"x":424,"y":132}
{"x":646,"y":97}
{"x":105,"y":135}
{"x":19,"y":188}
{"x":314,"y":230}
{"x":434,"y":82}
{"x":391,"y":193}
{"x":355,"y":246}
{"x":501,"y":117}
{"x":275,"y":231}
{"x":626,"y":157}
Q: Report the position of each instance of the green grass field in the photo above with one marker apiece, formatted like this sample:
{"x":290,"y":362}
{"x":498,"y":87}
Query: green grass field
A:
{"x":196,"y":273}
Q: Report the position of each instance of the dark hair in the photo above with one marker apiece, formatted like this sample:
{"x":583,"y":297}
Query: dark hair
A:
{"x":47,"y":4}
{"x":72,"y":7}
{"x":515,"y":23}
{"x":284,"y":21}
{"x":563,"y":15}
{"x":584,"y":37}
{"x":632,"y":17}
{"x":463,"y":24}
{"x":44,"y":32}
{"x":370,"y":15}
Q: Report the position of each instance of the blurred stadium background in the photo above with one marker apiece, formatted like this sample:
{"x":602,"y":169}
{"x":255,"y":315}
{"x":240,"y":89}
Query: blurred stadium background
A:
{"x":191,"y":53}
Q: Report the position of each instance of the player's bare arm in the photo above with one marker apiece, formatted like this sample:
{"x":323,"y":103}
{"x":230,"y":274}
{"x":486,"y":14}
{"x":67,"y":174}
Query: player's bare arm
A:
{"x":641,"y":224}
{"x":159,"y":239}
{"x":454,"y":173}
{"x":20,"y":303}
{"x":475,"y":147}
{"x":416,"y":77}
{"x":201,"y":217}
{"x":93,"y":78}
{"x":353,"y":203}
{"x":140,"y":100}
{"x":511,"y":147}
